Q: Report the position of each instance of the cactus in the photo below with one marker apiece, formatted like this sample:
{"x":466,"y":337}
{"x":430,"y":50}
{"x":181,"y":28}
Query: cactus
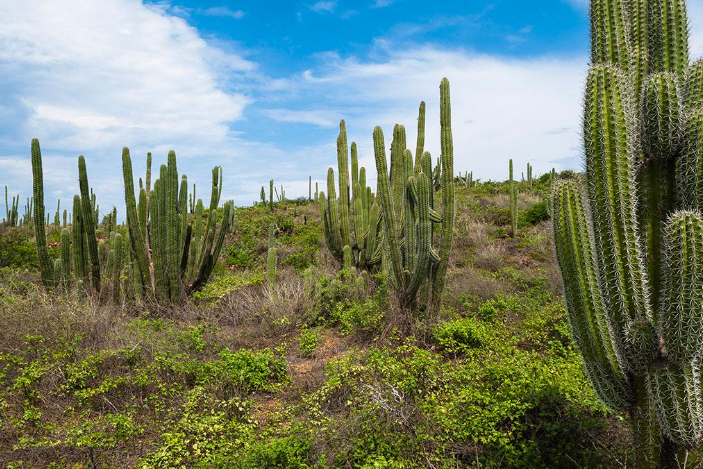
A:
{"x":88,"y":202}
{"x":65,"y":278}
{"x":272,"y":257}
{"x":11,"y":210}
{"x":353,"y":218}
{"x":271,"y":194}
{"x":631,"y":254}
{"x":529,"y":176}
{"x":512,"y":188}
{"x":46,"y":266}
{"x":408,"y":215}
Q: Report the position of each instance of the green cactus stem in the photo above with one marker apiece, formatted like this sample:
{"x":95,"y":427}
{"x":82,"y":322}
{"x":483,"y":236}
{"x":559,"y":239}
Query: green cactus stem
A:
{"x":46,"y":266}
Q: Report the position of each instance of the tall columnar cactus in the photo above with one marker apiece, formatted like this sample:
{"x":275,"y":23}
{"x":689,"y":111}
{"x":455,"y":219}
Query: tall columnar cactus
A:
{"x":271,"y":194}
{"x":65,"y":279}
{"x":630,"y":238}
{"x":117,"y":268}
{"x":353,"y":218}
{"x":11,"y":210}
{"x":513,"y":199}
{"x":79,"y":242}
{"x":272,"y":257}
{"x":88,"y":202}
{"x":529,"y":176}
{"x":46,"y":266}
{"x":408,"y":215}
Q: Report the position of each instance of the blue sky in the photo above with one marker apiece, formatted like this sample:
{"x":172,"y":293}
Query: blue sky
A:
{"x":259,"y":87}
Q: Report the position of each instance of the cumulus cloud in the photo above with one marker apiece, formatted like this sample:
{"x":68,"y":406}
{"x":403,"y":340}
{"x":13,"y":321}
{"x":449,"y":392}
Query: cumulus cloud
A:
{"x":108,"y":74}
{"x":502,"y":108}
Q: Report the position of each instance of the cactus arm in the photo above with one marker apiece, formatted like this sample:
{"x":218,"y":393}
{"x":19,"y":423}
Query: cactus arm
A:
{"x":420,"y":164}
{"x":343,"y":165}
{"x":388,"y":213}
{"x":136,"y":236}
{"x":668,"y":36}
{"x":65,"y":259}
{"x":421,"y":207}
{"x":333,"y":214}
{"x":89,"y":223}
{"x":448,"y":207}
{"x":589,"y":324}
{"x":116,"y":282}
{"x":610,"y":168}
{"x":693,"y":86}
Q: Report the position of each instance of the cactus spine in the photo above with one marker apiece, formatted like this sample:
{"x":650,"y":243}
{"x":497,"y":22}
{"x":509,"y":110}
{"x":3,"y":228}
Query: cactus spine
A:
{"x":631,"y":255}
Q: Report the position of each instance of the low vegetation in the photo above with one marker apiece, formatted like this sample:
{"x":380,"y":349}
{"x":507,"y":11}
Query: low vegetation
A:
{"x":314,"y":371}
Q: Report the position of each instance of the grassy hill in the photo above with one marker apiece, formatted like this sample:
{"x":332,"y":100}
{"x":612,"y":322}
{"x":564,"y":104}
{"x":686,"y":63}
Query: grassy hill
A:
{"x":317,"y":371}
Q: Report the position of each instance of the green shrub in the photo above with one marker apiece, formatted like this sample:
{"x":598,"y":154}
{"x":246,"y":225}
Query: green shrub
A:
{"x":536,"y":214}
{"x":354,"y":317}
{"x":247,"y":371}
{"x":281,"y":453}
{"x":238,"y":256}
{"x":460,"y":335}
{"x":17,"y":250}
{"x":308,"y":341}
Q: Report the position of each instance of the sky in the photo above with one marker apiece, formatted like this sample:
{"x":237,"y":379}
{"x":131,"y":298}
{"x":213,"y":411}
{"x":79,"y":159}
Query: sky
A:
{"x":259,"y":87}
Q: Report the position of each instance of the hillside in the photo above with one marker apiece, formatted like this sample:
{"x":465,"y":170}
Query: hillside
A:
{"x":315,"y":372}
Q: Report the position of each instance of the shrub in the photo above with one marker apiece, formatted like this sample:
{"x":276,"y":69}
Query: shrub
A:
{"x":239,"y":257}
{"x":538,"y":213}
{"x":17,"y":249}
{"x":355,"y":317}
{"x":308,"y":342}
{"x":460,"y":335}
{"x":247,"y":371}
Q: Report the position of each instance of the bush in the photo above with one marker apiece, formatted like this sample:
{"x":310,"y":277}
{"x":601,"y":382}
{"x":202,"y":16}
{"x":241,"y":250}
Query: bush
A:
{"x":535,"y":214}
{"x":355,"y":317}
{"x":247,"y":371}
{"x":17,"y":250}
{"x":308,"y":342}
{"x":461,"y":335}
{"x":239,"y":257}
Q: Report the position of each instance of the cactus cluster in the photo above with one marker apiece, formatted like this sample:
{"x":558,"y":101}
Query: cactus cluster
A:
{"x":353,"y":218}
{"x":11,"y":212}
{"x":173,"y":258}
{"x":529,"y":176}
{"x":408,"y":211}
{"x":629,"y":238}
{"x":158,"y":254}
{"x":466,"y":180}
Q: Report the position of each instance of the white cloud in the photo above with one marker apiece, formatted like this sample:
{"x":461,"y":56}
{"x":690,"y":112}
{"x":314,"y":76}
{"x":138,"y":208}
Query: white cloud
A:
{"x":320,"y":118}
{"x":326,"y":6}
{"x":224,"y":11}
{"x":382,"y":3}
{"x":108,"y":74}
{"x":528,"y":110}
